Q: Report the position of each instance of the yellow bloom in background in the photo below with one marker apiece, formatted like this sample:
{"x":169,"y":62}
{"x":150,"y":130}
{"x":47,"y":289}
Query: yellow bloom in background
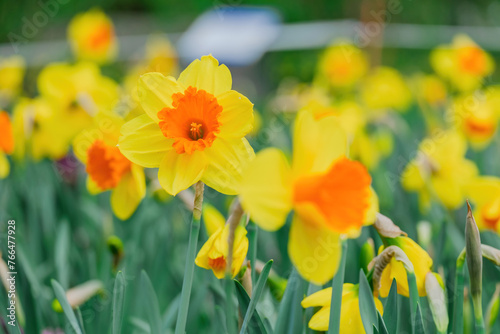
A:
{"x":463,"y":63}
{"x":484,"y":192}
{"x":77,"y":93}
{"x":422,"y":263}
{"x":212,"y":218}
{"x":371,"y":148}
{"x":384,"y":88}
{"x":92,"y":37}
{"x":193,"y":128}
{"x":107,"y":168}
{"x":38,"y":131}
{"x":343,"y":65}
{"x":11,"y":78}
{"x":6,"y":143}
{"x":330,"y":195}
{"x":431,"y":89}
{"x":213,"y":254}
{"x":477,"y":115}
{"x":440,"y":170}
{"x":350,"y":316}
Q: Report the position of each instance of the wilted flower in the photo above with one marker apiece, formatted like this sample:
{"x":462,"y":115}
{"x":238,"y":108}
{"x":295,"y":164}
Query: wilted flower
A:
{"x":92,"y":37}
{"x":350,"y":316}
{"x":330,"y":195}
{"x":193,"y":128}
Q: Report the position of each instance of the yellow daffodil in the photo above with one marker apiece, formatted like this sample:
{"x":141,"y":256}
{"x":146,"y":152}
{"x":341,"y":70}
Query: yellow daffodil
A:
{"x":350,"y":316}
{"x":422,"y":264}
{"x":477,"y":115}
{"x":371,"y":148}
{"x":193,"y":128}
{"x":107,"y":168}
{"x":77,"y":93}
{"x":38,"y":130}
{"x":6,"y":143}
{"x":384,"y":88}
{"x":463,"y":63}
{"x":213,"y":254}
{"x":212,"y":218}
{"x":92,"y":37}
{"x":431,"y":89}
{"x":330,"y":195}
{"x":484,"y":192}
{"x":343,"y":65}
{"x":440,"y":169}
{"x":11,"y":78}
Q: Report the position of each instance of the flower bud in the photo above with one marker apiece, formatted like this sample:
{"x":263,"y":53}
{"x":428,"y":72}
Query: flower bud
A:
{"x":474,"y":257}
{"x":437,"y":301}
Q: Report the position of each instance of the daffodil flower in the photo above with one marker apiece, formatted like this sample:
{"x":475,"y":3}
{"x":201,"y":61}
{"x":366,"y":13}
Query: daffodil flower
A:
{"x":329,"y":194}
{"x":350,"y":316}
{"x":431,"y":89}
{"x":193,"y":128}
{"x":463,"y":63}
{"x":92,"y":37}
{"x":213,"y":254}
{"x":107,"y":168}
{"x":11,"y":78}
{"x":6,"y":143}
{"x":440,"y":170}
{"x":484,"y":192}
{"x":422,"y":264}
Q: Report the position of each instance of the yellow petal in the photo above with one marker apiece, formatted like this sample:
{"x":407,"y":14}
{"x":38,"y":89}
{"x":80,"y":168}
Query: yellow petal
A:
{"x":320,"y":298}
{"x":350,"y":316}
{"x":4,"y":166}
{"x":212,"y":218}
{"x":143,"y":143}
{"x":483,"y":189}
{"x":206,"y":74}
{"x":155,"y":92}
{"x":92,"y":187}
{"x":227,"y":158}
{"x":180,"y":171}
{"x":316,"y":143}
{"x":371,"y":214}
{"x":314,"y":250}
{"x":320,"y":320}
{"x":266,"y":191}
{"x":236,"y":118}
{"x":202,"y":257}
{"x":128,"y":194}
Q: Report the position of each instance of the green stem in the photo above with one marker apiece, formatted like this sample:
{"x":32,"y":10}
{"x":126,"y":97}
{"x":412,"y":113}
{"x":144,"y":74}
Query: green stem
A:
{"x":187,"y":283}
{"x":253,"y":232}
{"x":230,"y":307}
{"x":337,"y":285}
{"x":458,"y":302}
{"x":478,"y":314}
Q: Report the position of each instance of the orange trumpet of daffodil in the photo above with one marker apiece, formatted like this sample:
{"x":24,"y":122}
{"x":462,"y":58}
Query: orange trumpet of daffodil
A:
{"x":193,"y":128}
{"x":330,"y":194}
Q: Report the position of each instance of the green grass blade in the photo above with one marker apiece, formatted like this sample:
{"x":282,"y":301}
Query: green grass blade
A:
{"x":367,"y":304}
{"x":337,"y":285}
{"x":419,"y":323}
{"x":151,"y":304}
{"x":382,"y":328}
{"x":414,"y":301}
{"x":118,"y":293}
{"x":458,"y":304}
{"x":391,"y":310}
{"x":68,"y":311}
{"x":256,"y":324}
{"x":261,"y":283}
{"x":286,"y":302}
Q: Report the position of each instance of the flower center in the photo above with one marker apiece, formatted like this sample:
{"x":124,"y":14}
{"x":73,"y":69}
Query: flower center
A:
{"x":101,"y":37}
{"x":219,"y":263}
{"x":479,"y":127}
{"x":106,"y":165}
{"x":6,"y":137}
{"x":192,"y":121}
{"x":341,"y":194}
{"x":472,"y":60}
{"x":491,"y":213}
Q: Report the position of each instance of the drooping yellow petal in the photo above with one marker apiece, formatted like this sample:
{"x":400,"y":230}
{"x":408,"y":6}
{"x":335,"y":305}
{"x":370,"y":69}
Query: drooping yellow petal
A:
{"x":128,"y":194}
{"x":316,"y":143}
{"x":314,"y":250}
{"x":143,"y":143}
{"x":483,"y":189}
{"x":227,"y":158}
{"x":180,"y":171}
{"x":236,"y":118}
{"x":155,"y":92}
{"x":206,"y":74}
{"x":4,"y":166}
{"x":266,"y":191}
{"x":320,"y":320}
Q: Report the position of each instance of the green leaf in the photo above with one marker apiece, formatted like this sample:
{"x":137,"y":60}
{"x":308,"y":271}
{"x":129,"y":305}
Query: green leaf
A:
{"x":458,"y":301}
{"x":381,"y":324}
{"x":337,"y":285}
{"x":118,"y":292}
{"x":391,"y":309}
{"x":261,"y":283}
{"x":68,"y":311}
{"x":244,"y":301}
{"x":414,"y":298}
{"x":151,"y":304}
{"x":419,"y":323}
{"x":367,"y":304}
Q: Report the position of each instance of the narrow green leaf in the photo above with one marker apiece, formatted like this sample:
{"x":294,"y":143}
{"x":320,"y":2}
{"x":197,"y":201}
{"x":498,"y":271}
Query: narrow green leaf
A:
{"x":412,"y":284}
{"x":458,"y":301}
{"x":391,"y":309}
{"x":118,"y":292}
{"x":367,"y":304}
{"x":286,"y":302}
{"x":336,"y":302}
{"x":256,"y":324}
{"x":419,"y":323}
{"x":68,"y":311}
{"x":151,"y":304}
{"x":261,"y":283}
{"x":80,"y":319}
{"x":382,"y":328}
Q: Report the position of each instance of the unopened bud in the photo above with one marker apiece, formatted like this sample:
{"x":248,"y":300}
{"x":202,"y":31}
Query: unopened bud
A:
{"x":437,"y":301}
{"x":386,"y":228}
{"x":474,"y":257}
